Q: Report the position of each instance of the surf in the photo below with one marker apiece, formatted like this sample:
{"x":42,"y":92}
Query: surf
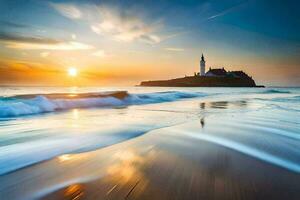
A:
{"x":30,"y":104}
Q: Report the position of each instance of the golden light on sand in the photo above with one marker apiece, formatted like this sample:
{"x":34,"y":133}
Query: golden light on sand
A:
{"x":75,"y":113}
{"x":75,"y":191}
{"x":127,"y":169}
{"x":64,"y":157}
{"x":72,"y":71}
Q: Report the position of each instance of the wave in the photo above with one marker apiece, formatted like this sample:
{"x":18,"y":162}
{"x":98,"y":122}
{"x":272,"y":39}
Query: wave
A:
{"x":250,"y":151}
{"x":11,"y":159}
{"x":275,"y":91}
{"x":41,"y":103}
{"x":292,"y":102}
{"x":294,"y":99}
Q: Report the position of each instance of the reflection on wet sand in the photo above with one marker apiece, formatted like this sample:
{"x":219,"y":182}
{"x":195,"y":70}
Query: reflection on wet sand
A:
{"x":126,"y":174}
{"x":219,"y":104}
{"x":127,"y":166}
{"x":202,"y":122}
{"x":169,"y":165}
{"x":223,"y":104}
{"x":208,"y":106}
{"x":202,"y":105}
{"x":64,"y":157}
{"x":122,"y":178}
{"x":75,"y":113}
{"x":74,"y":192}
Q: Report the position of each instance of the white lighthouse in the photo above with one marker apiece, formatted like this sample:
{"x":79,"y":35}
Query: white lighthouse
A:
{"x":202,"y":66}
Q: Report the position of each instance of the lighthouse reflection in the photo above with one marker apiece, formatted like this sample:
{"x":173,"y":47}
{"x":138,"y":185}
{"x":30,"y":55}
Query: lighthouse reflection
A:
{"x":210,"y":107}
{"x":223,"y":105}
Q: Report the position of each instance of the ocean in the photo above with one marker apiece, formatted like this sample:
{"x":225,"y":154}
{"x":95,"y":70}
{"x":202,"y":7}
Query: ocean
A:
{"x":263,"y":123}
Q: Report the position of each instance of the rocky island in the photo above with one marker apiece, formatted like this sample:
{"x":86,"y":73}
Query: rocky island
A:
{"x":213,"y":78}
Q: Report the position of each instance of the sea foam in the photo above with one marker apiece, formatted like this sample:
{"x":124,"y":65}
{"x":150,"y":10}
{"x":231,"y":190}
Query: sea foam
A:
{"x":18,"y":106}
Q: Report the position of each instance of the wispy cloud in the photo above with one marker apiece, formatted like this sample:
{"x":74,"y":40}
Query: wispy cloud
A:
{"x":67,"y":10}
{"x":64,"y":46}
{"x":73,"y":36}
{"x":120,"y":24}
{"x":21,"y":65}
{"x":125,"y":26}
{"x":44,"y":54}
{"x":13,"y":71}
{"x":101,"y":53}
{"x":26,"y":39}
{"x":35,"y":43}
{"x":9,"y":24}
{"x":174,"y":49}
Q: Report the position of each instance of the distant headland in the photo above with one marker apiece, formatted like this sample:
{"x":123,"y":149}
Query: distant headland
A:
{"x":218,"y":77}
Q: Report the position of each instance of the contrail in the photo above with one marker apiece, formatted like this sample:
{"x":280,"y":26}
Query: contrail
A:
{"x":226,"y":11}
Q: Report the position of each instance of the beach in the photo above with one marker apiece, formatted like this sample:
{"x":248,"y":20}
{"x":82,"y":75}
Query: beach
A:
{"x":149,"y":100}
{"x":210,"y":143}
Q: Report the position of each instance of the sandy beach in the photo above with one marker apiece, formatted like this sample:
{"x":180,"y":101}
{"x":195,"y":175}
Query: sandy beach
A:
{"x":208,"y":157}
{"x":149,"y":100}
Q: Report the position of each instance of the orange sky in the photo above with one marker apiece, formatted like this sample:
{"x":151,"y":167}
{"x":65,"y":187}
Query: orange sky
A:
{"x":129,"y":70}
{"x":110,"y":45}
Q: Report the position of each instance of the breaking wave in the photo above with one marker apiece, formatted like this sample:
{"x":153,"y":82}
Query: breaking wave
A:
{"x":29,"y":104}
{"x":42,"y":103}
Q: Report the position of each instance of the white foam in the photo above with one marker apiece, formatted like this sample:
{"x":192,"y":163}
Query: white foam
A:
{"x":248,"y":150}
{"x":14,"y":107}
{"x":18,"y":155}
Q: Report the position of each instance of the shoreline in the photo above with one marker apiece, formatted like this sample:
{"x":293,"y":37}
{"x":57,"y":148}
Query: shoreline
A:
{"x":236,"y":146}
{"x":163,"y":164}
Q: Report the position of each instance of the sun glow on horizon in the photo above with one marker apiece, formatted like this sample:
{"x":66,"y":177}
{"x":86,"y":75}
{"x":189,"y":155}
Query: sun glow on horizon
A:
{"x":72,"y":71}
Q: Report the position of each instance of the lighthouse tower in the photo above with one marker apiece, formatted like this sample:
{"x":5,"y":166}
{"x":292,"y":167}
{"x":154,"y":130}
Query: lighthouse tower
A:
{"x":202,"y":66}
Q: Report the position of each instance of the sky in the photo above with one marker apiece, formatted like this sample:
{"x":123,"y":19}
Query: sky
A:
{"x":120,"y":43}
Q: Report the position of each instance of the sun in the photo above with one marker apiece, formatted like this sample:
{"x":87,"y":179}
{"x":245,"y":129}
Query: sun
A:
{"x":72,"y":71}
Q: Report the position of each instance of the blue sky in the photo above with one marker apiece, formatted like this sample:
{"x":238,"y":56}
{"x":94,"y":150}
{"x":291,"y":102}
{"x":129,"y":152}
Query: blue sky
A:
{"x":127,"y":41}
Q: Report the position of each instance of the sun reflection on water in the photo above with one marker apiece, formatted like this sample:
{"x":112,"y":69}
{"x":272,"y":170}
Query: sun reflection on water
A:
{"x":74,"y":192}
{"x":75,"y":113}
{"x":64,"y":157}
{"x":73,"y":90}
{"x":128,"y":167}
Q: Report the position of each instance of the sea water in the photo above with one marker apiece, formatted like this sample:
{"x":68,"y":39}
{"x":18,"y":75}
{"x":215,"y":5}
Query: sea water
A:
{"x":38,"y":127}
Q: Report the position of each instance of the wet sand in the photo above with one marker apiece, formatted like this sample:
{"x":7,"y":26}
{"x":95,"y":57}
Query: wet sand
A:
{"x":162,"y":164}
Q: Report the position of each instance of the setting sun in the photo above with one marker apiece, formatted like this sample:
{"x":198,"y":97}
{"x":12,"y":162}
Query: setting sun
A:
{"x":72,"y":71}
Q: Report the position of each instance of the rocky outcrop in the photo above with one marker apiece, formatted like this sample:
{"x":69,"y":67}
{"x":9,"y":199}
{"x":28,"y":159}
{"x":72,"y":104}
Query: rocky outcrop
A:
{"x":203,"y":81}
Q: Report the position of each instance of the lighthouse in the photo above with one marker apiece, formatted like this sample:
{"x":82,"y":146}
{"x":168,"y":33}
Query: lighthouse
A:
{"x":202,"y":66}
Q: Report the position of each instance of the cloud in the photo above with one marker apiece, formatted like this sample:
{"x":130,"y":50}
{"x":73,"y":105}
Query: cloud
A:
{"x":125,"y":26}
{"x":60,"y":46}
{"x":101,"y":53}
{"x":20,"y":64}
{"x":13,"y":72}
{"x":174,"y":49}
{"x":44,"y":54}
{"x":73,"y":36}
{"x":41,"y":31}
{"x":17,"y":38}
{"x":118,"y":23}
{"x":67,"y":10}
{"x":38,"y":43}
{"x":151,"y":39}
{"x":12,"y":24}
